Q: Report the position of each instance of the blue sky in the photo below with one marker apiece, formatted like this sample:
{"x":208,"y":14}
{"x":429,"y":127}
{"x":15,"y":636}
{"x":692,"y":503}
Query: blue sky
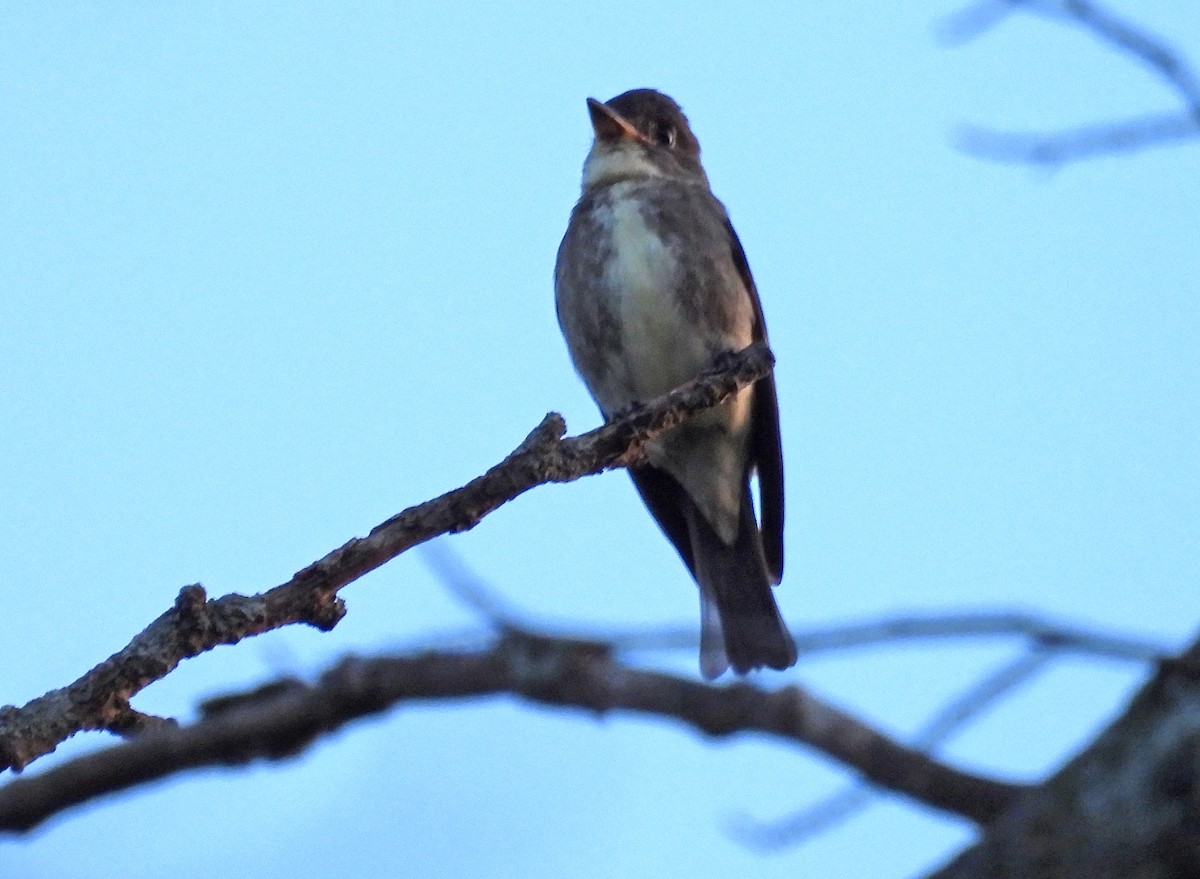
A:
{"x":271,"y":274}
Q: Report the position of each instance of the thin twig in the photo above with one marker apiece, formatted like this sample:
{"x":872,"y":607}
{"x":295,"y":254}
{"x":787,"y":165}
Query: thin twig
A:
{"x":972,"y":21}
{"x":468,"y":587}
{"x":1039,"y":630}
{"x":852,"y":798}
{"x":1084,"y":142}
{"x":1132,"y":40}
{"x":1063,"y":636}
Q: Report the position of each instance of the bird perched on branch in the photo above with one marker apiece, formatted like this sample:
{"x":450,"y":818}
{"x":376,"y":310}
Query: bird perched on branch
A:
{"x":651,"y":285}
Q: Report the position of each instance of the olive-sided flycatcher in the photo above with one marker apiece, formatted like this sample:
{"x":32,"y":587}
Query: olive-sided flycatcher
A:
{"x":651,"y":284}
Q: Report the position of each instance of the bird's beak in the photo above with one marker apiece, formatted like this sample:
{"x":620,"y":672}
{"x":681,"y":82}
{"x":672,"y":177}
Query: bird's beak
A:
{"x":609,"y":125}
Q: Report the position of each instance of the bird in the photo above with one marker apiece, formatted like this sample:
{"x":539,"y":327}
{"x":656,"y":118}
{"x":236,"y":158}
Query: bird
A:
{"x":651,"y":286}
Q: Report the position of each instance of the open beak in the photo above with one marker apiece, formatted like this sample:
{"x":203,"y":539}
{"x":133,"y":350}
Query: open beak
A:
{"x":609,"y":125}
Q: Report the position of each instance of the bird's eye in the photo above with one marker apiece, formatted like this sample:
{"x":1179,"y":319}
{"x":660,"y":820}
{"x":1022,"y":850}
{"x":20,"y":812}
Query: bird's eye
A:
{"x":664,"y":134}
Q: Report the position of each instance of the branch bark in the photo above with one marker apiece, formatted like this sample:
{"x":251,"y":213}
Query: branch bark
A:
{"x":1128,"y":807}
{"x":100,"y":699}
{"x":283,"y":718}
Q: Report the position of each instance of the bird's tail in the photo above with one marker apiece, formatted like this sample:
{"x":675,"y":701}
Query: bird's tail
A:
{"x":740,"y":625}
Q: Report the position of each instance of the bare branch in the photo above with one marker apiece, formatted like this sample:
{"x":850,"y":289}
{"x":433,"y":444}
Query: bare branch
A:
{"x":1128,"y":805}
{"x":100,"y":699}
{"x":980,"y":697}
{"x":852,"y":798}
{"x":1052,"y":150}
{"x":972,"y":21}
{"x":801,"y":826}
{"x":1038,"y":630}
{"x":1092,"y":140}
{"x":468,"y":587}
{"x":285,"y":717}
{"x":1151,"y":51}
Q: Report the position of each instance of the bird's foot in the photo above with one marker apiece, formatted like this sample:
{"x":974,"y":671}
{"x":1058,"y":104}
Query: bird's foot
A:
{"x":723,"y":361}
{"x":634,"y":408}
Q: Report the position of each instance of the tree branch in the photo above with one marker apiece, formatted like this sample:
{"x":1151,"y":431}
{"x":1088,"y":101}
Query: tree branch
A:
{"x":1130,"y":39}
{"x":282,"y":719}
{"x":1128,"y":805}
{"x":1091,"y":140}
{"x":842,"y":804}
{"x":1085,"y":142}
{"x":100,"y":700}
{"x":1039,"y":631}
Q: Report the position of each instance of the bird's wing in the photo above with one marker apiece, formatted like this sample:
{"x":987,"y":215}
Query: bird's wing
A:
{"x":666,"y":500}
{"x":766,"y":451}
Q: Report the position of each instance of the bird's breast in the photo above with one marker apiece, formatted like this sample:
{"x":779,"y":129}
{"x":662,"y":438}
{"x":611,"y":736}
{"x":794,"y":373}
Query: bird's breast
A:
{"x":662,"y":348}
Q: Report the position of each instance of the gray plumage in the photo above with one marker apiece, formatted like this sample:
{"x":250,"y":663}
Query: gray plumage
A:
{"x":651,"y":284}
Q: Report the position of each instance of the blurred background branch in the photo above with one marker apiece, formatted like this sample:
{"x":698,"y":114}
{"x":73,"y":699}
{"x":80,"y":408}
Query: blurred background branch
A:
{"x":284,"y":717}
{"x":1056,"y":148}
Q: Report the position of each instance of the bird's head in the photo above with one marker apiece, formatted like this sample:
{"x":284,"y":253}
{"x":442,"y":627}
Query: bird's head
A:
{"x":640,"y":134}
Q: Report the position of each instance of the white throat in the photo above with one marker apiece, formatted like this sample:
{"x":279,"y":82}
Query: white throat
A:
{"x":607,"y":163}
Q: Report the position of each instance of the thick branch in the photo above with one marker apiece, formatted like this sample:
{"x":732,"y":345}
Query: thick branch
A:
{"x":100,"y":699}
{"x":1128,"y":806}
{"x":284,"y":718}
